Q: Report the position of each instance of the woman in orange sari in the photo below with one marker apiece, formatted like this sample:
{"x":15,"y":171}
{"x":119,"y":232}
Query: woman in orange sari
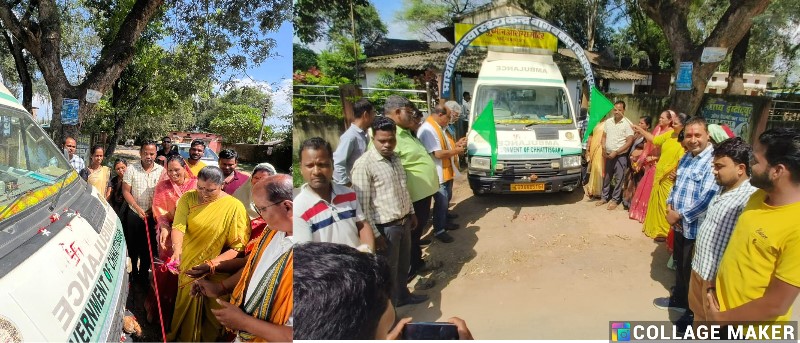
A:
{"x":176,"y":180}
{"x":647,"y":161}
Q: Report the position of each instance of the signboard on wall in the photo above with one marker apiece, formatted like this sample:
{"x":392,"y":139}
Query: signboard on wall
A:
{"x":504,"y":36}
{"x":735,"y":114}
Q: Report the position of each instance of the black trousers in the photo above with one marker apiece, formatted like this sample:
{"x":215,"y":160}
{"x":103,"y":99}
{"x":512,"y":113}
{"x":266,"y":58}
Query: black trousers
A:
{"x":682,"y":253}
{"x":136,"y":241}
{"x":422,"y":210}
{"x":615,"y":169}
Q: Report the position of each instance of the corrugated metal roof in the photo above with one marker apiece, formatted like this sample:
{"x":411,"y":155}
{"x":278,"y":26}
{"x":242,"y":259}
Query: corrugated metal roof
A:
{"x":470,"y":63}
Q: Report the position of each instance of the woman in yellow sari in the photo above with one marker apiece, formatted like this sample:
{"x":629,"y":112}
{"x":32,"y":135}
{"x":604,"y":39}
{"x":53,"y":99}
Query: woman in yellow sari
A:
{"x":594,"y":156}
{"x":210,"y":226}
{"x":97,"y":175}
{"x":655,"y":222}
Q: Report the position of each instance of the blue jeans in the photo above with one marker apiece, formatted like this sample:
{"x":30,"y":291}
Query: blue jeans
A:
{"x":441,"y":202}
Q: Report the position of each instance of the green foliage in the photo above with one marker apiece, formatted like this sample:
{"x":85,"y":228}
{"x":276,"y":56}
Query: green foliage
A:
{"x":303,"y":58}
{"x":573,"y":16}
{"x":246,"y":95}
{"x":237,"y":123}
{"x":297,"y":178}
{"x":316,"y":100}
{"x":775,"y":42}
{"x":389,"y":80}
{"x":340,"y":59}
{"x":642,"y":39}
{"x":426,"y":16}
{"x":324,"y":20}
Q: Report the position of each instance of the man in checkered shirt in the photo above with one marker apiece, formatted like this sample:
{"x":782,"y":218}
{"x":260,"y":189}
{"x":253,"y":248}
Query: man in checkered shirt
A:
{"x":380,"y":184}
{"x":731,"y":171}
{"x":686,"y":206}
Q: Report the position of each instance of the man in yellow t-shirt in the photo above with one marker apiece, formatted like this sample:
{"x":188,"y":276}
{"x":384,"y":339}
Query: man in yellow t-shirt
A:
{"x":759,"y":275}
{"x":196,"y":151}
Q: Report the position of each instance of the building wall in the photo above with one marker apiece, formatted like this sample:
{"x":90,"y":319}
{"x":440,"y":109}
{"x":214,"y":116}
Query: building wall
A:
{"x":718,"y":83}
{"x":621,"y":87}
{"x":328,"y":128}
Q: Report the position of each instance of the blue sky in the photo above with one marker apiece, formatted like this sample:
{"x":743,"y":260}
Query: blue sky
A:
{"x":387,"y":10}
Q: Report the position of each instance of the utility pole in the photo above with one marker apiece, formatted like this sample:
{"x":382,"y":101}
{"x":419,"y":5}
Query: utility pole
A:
{"x":264,"y":114}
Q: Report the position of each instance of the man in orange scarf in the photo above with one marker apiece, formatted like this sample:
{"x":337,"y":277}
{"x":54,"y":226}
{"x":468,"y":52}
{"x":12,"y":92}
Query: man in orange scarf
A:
{"x":444,"y":150}
{"x":257,"y":313}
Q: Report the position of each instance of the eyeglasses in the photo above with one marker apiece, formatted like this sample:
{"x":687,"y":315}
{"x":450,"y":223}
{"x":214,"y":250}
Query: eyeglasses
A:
{"x":263,"y":209}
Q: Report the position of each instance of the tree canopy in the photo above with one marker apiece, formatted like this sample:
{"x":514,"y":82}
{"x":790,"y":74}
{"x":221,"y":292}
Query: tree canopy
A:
{"x":327,"y":20}
{"x":224,"y":35}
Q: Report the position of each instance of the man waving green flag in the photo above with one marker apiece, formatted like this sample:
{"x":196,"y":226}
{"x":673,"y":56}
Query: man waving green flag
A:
{"x":484,"y":126}
{"x":599,"y":106}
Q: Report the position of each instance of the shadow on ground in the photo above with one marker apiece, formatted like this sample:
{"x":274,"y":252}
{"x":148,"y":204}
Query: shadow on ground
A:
{"x":454,"y":256}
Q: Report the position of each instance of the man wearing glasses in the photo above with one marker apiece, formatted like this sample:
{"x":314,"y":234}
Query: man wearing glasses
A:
{"x":166,"y":149}
{"x":269,"y":263}
{"x":420,"y":169}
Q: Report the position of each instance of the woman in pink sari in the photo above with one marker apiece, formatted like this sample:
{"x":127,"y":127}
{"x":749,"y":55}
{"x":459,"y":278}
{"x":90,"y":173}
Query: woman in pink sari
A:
{"x":647,"y":161}
{"x":176,"y":180}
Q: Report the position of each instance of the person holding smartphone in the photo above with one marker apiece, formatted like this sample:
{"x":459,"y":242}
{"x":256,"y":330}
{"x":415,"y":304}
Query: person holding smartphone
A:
{"x":342,"y":293}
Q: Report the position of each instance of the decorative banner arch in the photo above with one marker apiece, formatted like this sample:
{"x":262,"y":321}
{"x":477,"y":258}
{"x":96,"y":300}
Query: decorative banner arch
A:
{"x":486,"y":26}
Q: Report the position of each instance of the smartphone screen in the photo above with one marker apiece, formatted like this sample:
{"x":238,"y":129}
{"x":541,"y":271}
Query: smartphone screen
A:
{"x":430,"y":330}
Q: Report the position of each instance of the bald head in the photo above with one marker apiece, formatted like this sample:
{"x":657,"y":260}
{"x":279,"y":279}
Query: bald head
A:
{"x":272,"y":197}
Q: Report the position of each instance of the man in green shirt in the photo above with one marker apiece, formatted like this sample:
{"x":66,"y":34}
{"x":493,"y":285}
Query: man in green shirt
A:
{"x":420,"y":169}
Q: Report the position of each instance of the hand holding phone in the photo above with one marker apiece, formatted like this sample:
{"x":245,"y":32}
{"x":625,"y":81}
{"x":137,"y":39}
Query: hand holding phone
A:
{"x":430,"y":331}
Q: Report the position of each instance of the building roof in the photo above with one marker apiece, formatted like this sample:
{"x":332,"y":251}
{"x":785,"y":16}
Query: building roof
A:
{"x":470,"y":63}
{"x":391,"y":46}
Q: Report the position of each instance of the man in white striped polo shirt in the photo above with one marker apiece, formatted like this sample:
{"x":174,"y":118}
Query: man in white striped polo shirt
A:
{"x":731,"y":171}
{"x":324,"y":211}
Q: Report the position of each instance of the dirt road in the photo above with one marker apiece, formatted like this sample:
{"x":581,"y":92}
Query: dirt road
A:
{"x":547,"y":266}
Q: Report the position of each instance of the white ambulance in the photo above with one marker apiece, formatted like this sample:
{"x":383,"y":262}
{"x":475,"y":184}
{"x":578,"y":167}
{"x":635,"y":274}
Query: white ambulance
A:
{"x":62,"y":249}
{"x":538,"y":145}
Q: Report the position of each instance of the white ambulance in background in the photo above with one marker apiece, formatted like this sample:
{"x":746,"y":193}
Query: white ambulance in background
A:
{"x":62,"y":249}
{"x":538,"y":145}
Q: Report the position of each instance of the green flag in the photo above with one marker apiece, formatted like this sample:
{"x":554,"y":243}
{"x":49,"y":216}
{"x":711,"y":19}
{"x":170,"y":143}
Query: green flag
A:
{"x":484,"y":126}
{"x":599,"y":106}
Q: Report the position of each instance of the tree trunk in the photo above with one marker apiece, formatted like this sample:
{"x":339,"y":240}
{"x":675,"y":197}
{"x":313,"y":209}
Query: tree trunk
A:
{"x":22,"y":70}
{"x":736,"y":73}
{"x":58,"y":94}
{"x":119,"y":121}
{"x":590,"y":25}
{"x":42,"y":39}
{"x":671,"y":17}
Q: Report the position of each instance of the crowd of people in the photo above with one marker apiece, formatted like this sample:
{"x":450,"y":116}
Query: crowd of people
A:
{"x":722,"y":206}
{"x":377,"y":193}
{"x":221,"y":240}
